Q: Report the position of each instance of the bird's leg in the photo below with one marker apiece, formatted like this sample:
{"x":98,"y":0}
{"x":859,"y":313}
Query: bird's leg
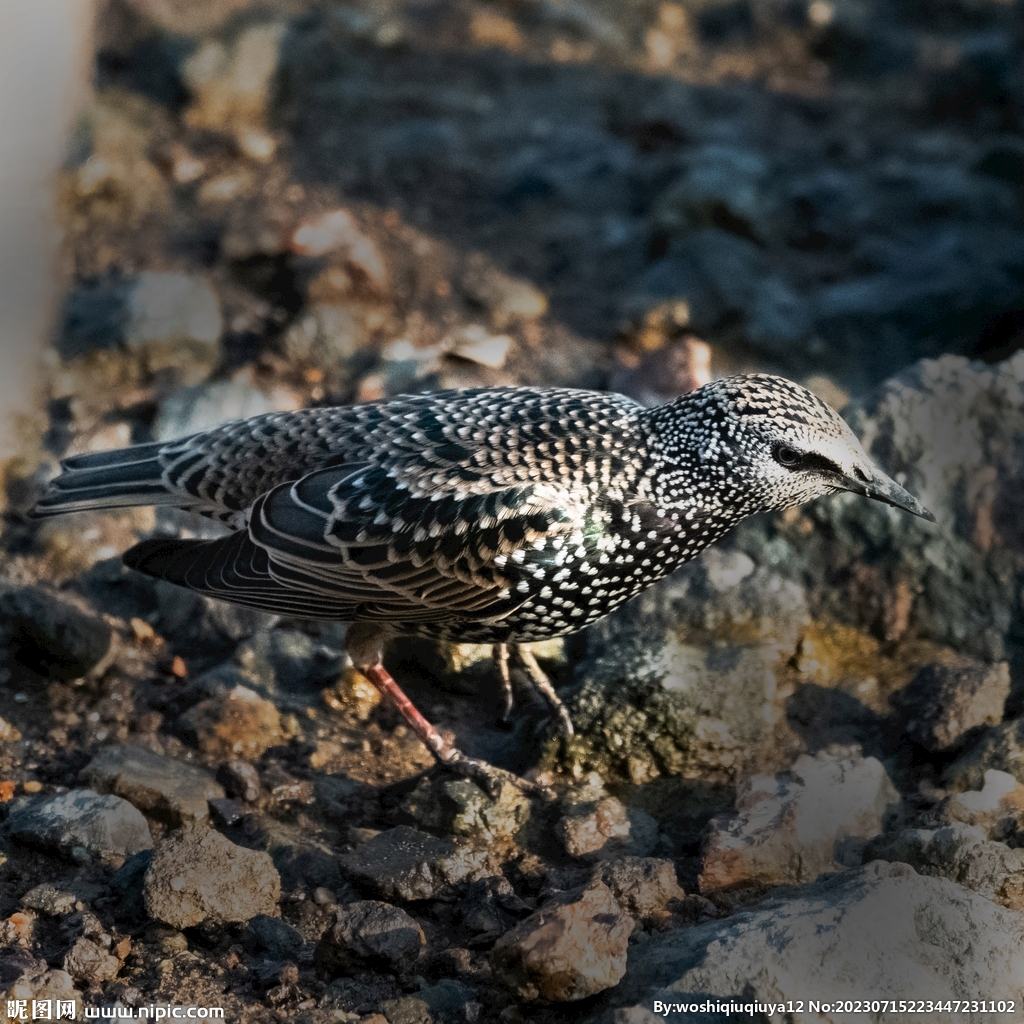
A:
{"x":499,"y":652}
{"x":538,"y":677}
{"x":489,"y":778}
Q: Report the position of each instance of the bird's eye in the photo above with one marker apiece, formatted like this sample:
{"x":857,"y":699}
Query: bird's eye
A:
{"x":786,"y":456}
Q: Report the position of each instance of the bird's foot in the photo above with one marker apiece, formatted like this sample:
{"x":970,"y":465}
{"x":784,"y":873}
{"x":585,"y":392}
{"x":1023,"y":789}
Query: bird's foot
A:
{"x":491,"y":779}
{"x":539,"y":679}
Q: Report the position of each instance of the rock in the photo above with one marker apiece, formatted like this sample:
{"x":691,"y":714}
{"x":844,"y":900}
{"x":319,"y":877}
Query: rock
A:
{"x":642,"y":886}
{"x":81,"y":824}
{"x":686,"y":678}
{"x":573,"y":947}
{"x":24,"y":979}
{"x":506,"y":298}
{"x":489,"y":908}
{"x":205,"y":406}
{"x":337,"y":231}
{"x":861,"y":935}
{"x":448,"y":1000}
{"x":405,"y":864}
{"x":328,"y":334}
{"x":197,"y":875}
{"x":998,"y":807}
{"x":207,"y":623}
{"x":674,"y":369}
{"x":174,"y":322}
{"x":240,"y":779}
{"x":239,"y":723}
{"x":270,"y":935}
{"x":1000,"y":747}
{"x":231,"y":84}
{"x":794,"y":829}
{"x":158,"y":785}
{"x":370,"y":934}
{"x":460,"y":807}
{"x":961,"y":853}
{"x":721,"y":186}
{"x":599,"y":826}
{"x":89,"y":963}
{"x":51,"y":636}
{"x":946,"y":701}
{"x":226,"y":813}
{"x":58,"y":900}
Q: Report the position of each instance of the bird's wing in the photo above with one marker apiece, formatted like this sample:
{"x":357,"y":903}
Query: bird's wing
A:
{"x":351,"y":542}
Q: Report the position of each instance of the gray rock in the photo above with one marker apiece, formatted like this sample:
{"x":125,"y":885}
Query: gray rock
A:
{"x":864,"y":934}
{"x":50,"y":635}
{"x":448,"y":1000}
{"x":573,"y":947}
{"x":961,"y":853}
{"x":945,"y":701}
{"x":159,"y":785}
{"x":794,"y":829}
{"x":240,"y":779}
{"x":81,"y":824}
{"x":597,"y":826}
{"x":89,"y":963}
{"x":23,"y":977}
{"x":289,"y":666}
{"x":1000,"y":747}
{"x":405,"y":864}
{"x":685,"y":678}
{"x":57,"y":900}
{"x":642,"y":886}
{"x":370,"y":934}
{"x":204,"y":620}
{"x":174,"y":319}
{"x":197,"y":875}
{"x":460,"y":807}
{"x":270,"y":935}
{"x":998,"y":807}
{"x":489,"y":908}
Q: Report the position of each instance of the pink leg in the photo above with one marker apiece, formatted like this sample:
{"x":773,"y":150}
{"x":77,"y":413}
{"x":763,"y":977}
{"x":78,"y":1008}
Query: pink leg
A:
{"x":489,"y":778}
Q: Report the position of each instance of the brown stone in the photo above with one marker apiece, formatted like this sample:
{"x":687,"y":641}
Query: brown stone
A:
{"x":239,"y":723}
{"x":573,"y":947}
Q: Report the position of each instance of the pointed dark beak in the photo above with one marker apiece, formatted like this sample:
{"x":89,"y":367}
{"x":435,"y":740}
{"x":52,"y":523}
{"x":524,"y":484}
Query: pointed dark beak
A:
{"x":882,"y":488}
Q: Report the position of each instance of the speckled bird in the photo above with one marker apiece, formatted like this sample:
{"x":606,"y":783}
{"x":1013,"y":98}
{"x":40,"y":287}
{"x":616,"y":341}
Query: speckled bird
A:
{"x":492,"y":515}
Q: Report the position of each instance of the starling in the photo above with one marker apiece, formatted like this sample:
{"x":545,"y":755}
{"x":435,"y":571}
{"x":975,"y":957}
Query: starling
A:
{"x":492,"y":515}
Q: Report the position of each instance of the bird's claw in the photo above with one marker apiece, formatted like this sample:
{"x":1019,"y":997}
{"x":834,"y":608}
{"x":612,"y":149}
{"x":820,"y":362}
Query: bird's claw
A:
{"x":491,"y":779}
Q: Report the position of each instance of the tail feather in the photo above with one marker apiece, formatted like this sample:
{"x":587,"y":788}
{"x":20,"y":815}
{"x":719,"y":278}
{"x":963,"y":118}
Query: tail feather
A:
{"x":114,"y":479}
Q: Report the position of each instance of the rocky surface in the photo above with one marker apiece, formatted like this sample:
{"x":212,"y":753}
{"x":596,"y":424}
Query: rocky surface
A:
{"x":878,"y":929}
{"x":197,"y":875}
{"x":795,"y":829}
{"x":573,"y":947}
{"x":268,"y":206}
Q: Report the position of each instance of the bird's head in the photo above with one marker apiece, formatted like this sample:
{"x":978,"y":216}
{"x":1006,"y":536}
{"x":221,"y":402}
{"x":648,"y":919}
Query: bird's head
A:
{"x":766,"y":443}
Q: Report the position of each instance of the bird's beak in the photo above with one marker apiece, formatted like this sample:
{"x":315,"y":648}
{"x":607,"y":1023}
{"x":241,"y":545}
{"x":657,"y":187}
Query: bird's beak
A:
{"x":882,"y":488}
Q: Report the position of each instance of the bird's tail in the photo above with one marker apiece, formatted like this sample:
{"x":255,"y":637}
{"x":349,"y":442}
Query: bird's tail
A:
{"x":114,"y":479}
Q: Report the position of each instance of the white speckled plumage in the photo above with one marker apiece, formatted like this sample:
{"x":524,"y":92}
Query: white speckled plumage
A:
{"x":487,"y":515}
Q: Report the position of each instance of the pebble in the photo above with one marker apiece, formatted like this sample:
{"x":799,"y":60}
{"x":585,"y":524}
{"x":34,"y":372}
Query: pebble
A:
{"x":448,"y":1000}
{"x":489,"y":908}
{"x":56,"y":900}
{"x":371,"y":934}
{"x":794,"y":829}
{"x":460,"y":807}
{"x":89,"y":963}
{"x":270,"y":935}
{"x":162,"y":786}
{"x":240,"y":779}
{"x":1000,"y":747}
{"x":51,"y":636}
{"x":961,"y":853}
{"x":943,"y":702}
{"x":23,"y":977}
{"x":337,"y":232}
{"x":405,"y":864}
{"x":82,"y":825}
{"x":642,"y":886}
{"x":174,"y":320}
{"x":506,"y":298}
{"x":998,"y":807}
{"x":239,"y":723}
{"x":598,"y":826}
{"x":573,"y":947}
{"x":197,"y":875}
